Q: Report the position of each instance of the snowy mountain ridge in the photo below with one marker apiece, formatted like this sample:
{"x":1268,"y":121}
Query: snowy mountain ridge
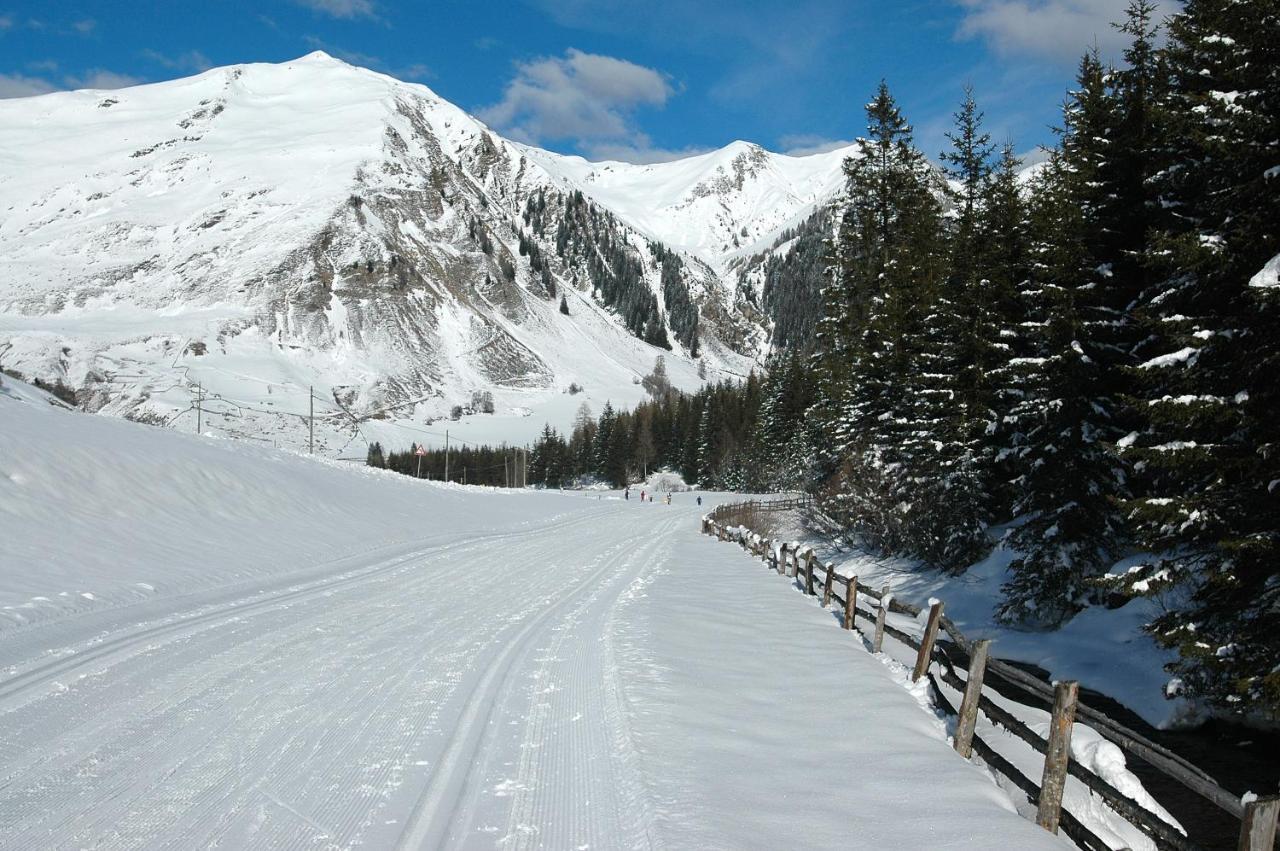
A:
{"x":265,"y":228}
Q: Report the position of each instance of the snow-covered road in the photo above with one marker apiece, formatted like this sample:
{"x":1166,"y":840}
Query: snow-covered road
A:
{"x":524,"y":671}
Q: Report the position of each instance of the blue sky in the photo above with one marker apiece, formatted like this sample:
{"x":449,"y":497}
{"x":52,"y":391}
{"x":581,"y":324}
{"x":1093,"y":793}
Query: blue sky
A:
{"x":624,"y":79}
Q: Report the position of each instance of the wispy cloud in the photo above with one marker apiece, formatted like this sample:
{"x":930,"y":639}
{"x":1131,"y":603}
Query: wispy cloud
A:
{"x":19,"y":86}
{"x":638,"y":150}
{"x":413,"y":71}
{"x":85,"y":26}
{"x":99,"y":78}
{"x":806,"y":144}
{"x":1059,"y":30}
{"x":341,"y":8}
{"x":192,"y":60}
{"x":586,"y":97}
{"x":764,"y":50}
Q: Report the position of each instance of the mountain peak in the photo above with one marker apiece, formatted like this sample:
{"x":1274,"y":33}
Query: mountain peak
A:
{"x":319,"y":56}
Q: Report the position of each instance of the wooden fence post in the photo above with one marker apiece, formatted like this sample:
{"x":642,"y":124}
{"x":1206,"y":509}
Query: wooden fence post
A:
{"x":968,"y":720}
{"x":826,"y":585}
{"x":794,"y":570}
{"x":1258,"y":827}
{"x":1049,"y":808}
{"x":850,"y":602}
{"x":808,"y":573}
{"x":782,"y":560}
{"x":925,"y":656}
{"x":880,"y":613}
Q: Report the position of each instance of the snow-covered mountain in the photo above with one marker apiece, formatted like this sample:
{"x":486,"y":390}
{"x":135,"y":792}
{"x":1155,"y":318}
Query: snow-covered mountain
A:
{"x":244,"y":234}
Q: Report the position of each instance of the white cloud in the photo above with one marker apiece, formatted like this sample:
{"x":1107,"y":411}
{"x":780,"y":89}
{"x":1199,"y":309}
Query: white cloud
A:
{"x":97,"y":78}
{"x":638,"y":150}
{"x":340,"y":8}
{"x":1060,"y":30}
{"x":85,"y":26}
{"x":6,"y":22}
{"x":192,"y":60}
{"x":805,"y":144}
{"x":581,"y":96}
{"x":18,"y":86}
{"x":413,"y":71}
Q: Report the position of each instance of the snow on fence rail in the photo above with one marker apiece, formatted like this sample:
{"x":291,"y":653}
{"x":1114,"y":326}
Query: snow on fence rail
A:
{"x":1258,"y":817}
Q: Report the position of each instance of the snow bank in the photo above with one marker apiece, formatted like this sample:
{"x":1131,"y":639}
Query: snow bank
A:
{"x":97,"y":512}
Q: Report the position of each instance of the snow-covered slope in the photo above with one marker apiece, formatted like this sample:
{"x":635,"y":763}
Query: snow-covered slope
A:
{"x":257,"y":230}
{"x":205,"y":643}
{"x":717,"y":206}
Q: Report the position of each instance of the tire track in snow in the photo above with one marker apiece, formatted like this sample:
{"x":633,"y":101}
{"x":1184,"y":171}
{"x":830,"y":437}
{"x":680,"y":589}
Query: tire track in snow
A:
{"x":184,"y":723}
{"x":41,"y":674}
{"x":576,"y":743}
{"x":444,"y":813}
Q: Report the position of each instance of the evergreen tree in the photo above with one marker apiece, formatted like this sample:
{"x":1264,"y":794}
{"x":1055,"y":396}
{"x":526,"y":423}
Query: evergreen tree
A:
{"x":1068,"y":478}
{"x":1005,"y":238}
{"x":887,"y":266}
{"x":962,"y":349}
{"x":1208,"y":450}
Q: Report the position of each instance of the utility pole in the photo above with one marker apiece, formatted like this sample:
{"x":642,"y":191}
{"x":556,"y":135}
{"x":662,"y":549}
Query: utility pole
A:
{"x":446,"y":455}
{"x":311,"y":421}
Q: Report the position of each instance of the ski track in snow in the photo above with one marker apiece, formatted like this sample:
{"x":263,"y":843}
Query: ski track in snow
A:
{"x":483,"y":692}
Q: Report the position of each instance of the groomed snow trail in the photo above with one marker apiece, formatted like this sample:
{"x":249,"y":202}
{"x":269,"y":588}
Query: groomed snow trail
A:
{"x":493,"y":670}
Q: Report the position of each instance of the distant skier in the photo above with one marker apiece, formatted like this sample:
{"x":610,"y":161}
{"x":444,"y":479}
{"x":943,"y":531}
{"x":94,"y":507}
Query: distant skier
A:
{"x":642,"y":496}
{"x":627,"y":494}
{"x":699,"y":501}
{"x":668,"y":497}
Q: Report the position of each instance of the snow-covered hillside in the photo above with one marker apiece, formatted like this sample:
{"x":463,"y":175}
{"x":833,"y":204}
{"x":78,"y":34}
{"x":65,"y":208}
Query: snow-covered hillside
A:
{"x":717,"y":206}
{"x":257,"y":230}
{"x":207,"y":643}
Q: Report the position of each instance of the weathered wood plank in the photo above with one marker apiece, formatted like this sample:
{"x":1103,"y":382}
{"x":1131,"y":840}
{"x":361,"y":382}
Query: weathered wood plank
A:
{"x":968,"y":719}
{"x":925,"y":656}
{"x":1258,"y":828}
{"x":1049,"y":807}
{"x":883,"y":610}
{"x":851,"y":602}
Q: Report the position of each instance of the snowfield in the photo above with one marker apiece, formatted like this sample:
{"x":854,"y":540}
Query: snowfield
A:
{"x":208,"y":643}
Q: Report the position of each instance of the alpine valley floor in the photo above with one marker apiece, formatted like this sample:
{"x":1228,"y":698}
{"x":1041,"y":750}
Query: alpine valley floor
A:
{"x":209,"y":644}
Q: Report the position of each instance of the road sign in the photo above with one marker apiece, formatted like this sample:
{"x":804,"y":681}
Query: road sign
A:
{"x":421,"y":450}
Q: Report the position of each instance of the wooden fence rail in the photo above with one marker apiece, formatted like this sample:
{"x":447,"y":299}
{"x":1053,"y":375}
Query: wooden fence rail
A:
{"x":1258,"y":817}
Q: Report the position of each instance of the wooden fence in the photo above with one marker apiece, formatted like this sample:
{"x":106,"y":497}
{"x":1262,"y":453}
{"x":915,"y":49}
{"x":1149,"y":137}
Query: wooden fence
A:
{"x":1258,"y":818}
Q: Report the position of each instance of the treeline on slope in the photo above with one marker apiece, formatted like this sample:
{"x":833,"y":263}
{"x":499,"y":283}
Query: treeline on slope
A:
{"x":1094,"y":358}
{"x":792,"y":282}
{"x":589,"y":238}
{"x":493,"y":466}
{"x":728,"y":435}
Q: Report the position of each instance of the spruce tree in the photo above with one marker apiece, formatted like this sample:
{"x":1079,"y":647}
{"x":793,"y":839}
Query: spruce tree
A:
{"x":1068,"y":477}
{"x":888,"y":264}
{"x":1208,"y":450}
{"x":962,"y":348}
